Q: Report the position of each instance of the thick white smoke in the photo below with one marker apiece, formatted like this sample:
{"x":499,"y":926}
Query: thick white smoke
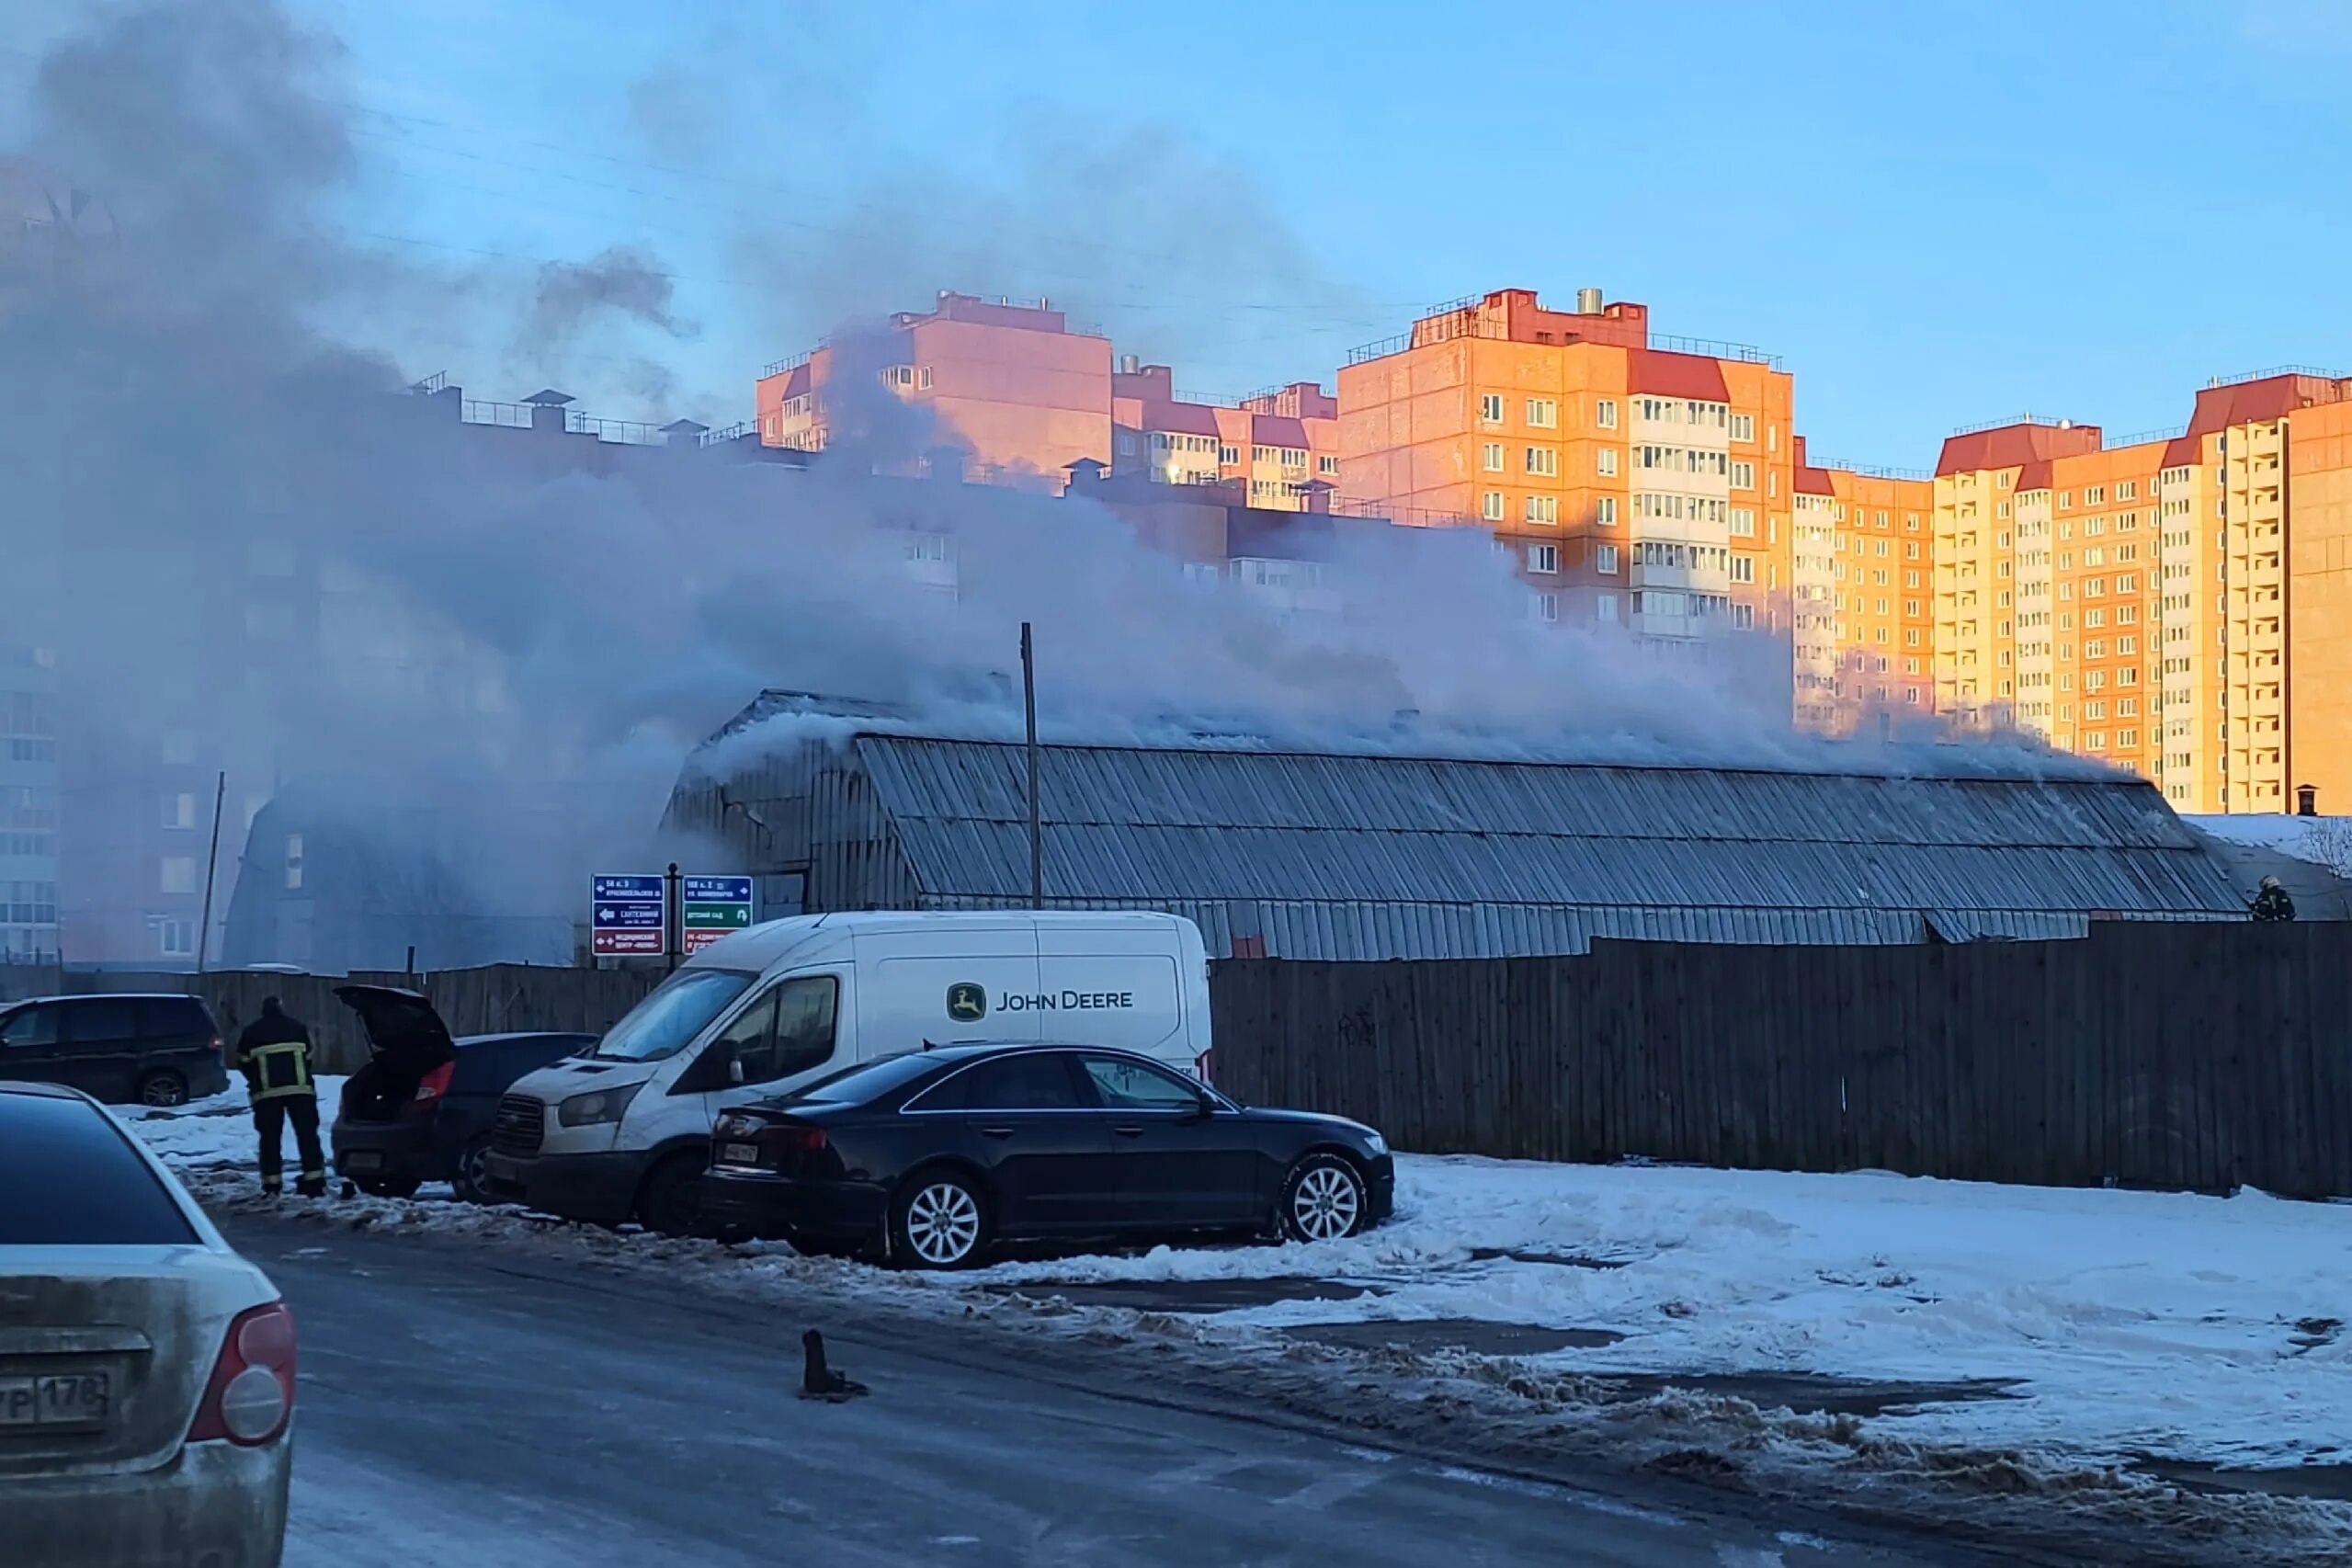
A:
{"x":250,"y":543}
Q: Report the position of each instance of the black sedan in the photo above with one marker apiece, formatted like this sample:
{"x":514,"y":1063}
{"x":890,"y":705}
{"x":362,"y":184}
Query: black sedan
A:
{"x":932,"y":1157}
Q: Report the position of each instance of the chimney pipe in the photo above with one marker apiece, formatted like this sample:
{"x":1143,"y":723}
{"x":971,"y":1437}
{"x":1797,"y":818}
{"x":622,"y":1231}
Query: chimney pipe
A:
{"x":1130,"y":363}
{"x":1588,"y":301}
{"x":2307,"y":799}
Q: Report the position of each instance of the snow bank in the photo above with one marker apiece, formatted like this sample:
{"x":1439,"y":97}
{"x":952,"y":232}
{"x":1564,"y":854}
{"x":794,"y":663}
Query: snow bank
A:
{"x":2135,"y":1322}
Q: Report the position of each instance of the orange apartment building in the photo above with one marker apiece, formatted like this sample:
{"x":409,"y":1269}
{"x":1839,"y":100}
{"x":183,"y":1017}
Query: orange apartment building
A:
{"x":1861,"y":622}
{"x":2174,"y":604}
{"x":1639,"y":479}
{"x":1026,"y":394}
{"x":1278,"y":448}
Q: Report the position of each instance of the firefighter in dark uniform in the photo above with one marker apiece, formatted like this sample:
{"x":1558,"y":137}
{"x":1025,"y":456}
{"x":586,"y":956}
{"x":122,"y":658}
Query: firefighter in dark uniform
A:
{"x":274,"y":1054}
{"x":2271,"y":902}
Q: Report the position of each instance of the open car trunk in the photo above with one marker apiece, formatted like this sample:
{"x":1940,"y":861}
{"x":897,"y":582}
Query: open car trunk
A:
{"x":407,"y":1039}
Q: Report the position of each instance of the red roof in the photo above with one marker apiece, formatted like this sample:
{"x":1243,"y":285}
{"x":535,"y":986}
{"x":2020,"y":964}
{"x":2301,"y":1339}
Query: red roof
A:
{"x":2014,"y":445}
{"x":2182,"y":450}
{"x":1814,"y":482}
{"x":1675,"y":375}
{"x":2036,"y":475}
{"x":2268,"y":398}
{"x":1274,"y":430}
{"x":1179,"y":418}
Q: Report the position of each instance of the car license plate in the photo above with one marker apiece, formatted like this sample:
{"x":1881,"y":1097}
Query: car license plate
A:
{"x":67,"y":1399}
{"x":363,"y":1160}
{"x":739,"y":1154}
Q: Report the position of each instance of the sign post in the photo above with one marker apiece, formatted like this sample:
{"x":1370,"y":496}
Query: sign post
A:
{"x":629,"y":920}
{"x":713,"y":907}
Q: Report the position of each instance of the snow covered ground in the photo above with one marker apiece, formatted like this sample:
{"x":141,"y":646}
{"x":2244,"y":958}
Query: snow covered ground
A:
{"x":218,"y":1130}
{"x":2134,"y":1323}
{"x":2129,"y":1323}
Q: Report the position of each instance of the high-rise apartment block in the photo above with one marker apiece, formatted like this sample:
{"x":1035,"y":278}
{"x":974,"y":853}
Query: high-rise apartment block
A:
{"x":1657,"y":472}
{"x":2178,"y":604}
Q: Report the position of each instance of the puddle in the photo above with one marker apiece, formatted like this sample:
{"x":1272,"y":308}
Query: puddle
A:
{"x":1557,"y":1259}
{"x":1479,"y":1337}
{"x":2333,"y":1481}
{"x":1188,"y":1295}
{"x":1807,"y":1392}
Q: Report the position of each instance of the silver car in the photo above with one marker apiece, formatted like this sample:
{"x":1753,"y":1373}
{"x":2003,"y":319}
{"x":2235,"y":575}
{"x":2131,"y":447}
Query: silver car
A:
{"x":146,"y":1371}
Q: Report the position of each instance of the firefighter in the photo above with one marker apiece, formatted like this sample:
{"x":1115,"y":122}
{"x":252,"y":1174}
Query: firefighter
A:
{"x":274,"y":1054}
{"x":2272,"y":903}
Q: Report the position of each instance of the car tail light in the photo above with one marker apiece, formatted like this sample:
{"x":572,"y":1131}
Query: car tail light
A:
{"x":432,"y":1086}
{"x":214,"y":1045}
{"x":251,"y":1396}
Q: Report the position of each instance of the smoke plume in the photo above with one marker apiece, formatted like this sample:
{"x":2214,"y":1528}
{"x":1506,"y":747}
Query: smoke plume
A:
{"x":254,"y":549}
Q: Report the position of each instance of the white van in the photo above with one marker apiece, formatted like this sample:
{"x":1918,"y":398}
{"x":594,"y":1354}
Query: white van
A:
{"x":626,"y":1131}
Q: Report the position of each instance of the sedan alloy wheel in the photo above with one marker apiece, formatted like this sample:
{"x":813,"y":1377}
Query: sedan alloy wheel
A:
{"x":1323,"y":1202}
{"x":940,"y":1223}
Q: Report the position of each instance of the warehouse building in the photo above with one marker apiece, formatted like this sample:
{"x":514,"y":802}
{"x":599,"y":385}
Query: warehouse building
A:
{"x":1292,"y":854}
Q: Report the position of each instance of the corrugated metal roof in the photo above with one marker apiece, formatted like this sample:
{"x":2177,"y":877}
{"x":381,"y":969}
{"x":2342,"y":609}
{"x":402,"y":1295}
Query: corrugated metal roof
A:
{"x":1352,"y":856}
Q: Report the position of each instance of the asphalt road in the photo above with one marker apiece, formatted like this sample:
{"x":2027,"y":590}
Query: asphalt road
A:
{"x":458,"y":1407}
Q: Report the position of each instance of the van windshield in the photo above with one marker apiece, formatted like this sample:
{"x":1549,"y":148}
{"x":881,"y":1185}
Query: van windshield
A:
{"x":672,"y":1014}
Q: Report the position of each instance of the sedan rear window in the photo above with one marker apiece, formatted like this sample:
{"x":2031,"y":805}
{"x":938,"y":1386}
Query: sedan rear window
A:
{"x":94,"y":1189}
{"x":867,"y":1082}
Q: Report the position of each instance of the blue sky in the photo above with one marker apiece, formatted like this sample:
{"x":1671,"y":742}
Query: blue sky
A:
{"x":1937,"y":212}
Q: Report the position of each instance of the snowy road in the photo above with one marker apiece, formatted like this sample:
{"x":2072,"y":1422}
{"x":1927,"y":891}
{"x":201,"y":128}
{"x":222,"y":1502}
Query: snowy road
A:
{"x":462,"y":1406}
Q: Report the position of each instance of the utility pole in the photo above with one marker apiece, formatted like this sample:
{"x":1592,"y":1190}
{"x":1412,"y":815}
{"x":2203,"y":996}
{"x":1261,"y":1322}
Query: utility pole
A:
{"x":211,"y":868}
{"x":1037,"y":831}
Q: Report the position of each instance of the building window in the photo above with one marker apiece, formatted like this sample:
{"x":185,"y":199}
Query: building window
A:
{"x":1604,"y":511}
{"x":1543,"y":460}
{"x":1743,"y":618}
{"x":1490,"y":407}
{"x":1742,"y":568}
{"x":1605,"y":558}
{"x":1543,"y":509}
{"x":923,"y":377}
{"x":1605,"y":412}
{"x":1492,"y":457}
{"x":1543,"y":559}
{"x":1742,"y":522}
{"x":1743,"y":427}
{"x":1606,"y":464}
{"x":179,"y":810}
{"x":1489,"y":505}
{"x":1230,"y":456}
{"x":1544,"y":606}
{"x":1743,"y":476}
{"x":293,"y":862}
{"x":1327,"y":464}
{"x":1543,"y":413}
{"x":178,"y":873}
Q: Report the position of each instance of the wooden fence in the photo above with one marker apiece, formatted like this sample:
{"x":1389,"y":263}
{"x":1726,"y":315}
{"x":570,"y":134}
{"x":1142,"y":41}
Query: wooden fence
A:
{"x":2181,"y":1056}
{"x":473,"y":1001}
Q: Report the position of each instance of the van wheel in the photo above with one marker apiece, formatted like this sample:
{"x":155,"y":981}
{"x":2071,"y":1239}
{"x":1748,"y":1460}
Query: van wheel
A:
{"x":163,"y":1087}
{"x":469,"y":1173}
{"x":939,"y":1220}
{"x":1322,"y":1199}
{"x":670,"y":1203}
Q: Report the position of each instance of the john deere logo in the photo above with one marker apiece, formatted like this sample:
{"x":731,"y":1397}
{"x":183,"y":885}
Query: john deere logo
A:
{"x":967,"y":1003}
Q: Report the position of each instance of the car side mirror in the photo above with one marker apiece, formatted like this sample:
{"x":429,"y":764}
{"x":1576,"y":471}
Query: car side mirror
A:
{"x":714,"y":1069}
{"x":734,"y":1068}
{"x":1203,"y":1108}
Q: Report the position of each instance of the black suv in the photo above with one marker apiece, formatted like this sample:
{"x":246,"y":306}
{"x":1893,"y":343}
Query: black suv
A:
{"x":161,"y":1050}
